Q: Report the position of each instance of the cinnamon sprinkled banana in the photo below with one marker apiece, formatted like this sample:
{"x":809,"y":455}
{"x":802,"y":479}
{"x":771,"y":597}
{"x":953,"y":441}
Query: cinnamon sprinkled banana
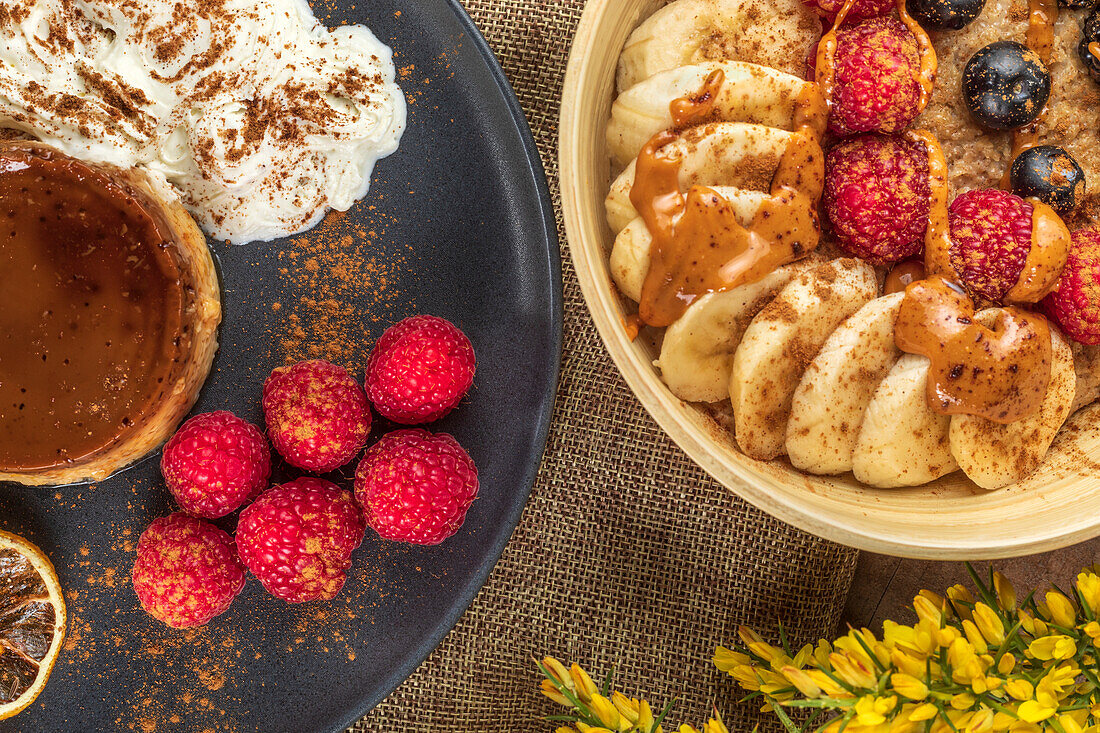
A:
{"x":782,"y":341}
{"x":750,"y":93}
{"x":733,"y":154}
{"x":901,"y":441}
{"x":994,"y":455}
{"x":775,"y":33}
{"x":697,"y":351}
{"x":828,"y":406}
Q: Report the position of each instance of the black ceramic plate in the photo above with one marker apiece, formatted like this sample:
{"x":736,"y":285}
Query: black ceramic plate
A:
{"x":458,"y":223}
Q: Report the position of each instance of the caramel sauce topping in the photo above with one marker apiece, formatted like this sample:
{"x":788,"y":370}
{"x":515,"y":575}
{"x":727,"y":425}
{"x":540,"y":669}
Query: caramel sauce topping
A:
{"x":91,"y":325}
{"x":937,"y":237}
{"x":699,"y":246}
{"x":929,"y":63}
{"x":1094,"y":50}
{"x":1040,"y":38}
{"x":1050,"y":242}
{"x":1001,"y":374}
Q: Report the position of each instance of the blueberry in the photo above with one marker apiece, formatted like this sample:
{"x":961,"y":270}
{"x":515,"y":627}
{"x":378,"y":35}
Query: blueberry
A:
{"x":1005,"y":85}
{"x":944,"y":15}
{"x":1049,"y":174}
{"x":1090,"y":34}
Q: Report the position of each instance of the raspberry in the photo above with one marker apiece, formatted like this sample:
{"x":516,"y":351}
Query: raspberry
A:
{"x":415,"y":486}
{"x":297,"y":538}
{"x":419,"y":370}
{"x":317,"y":415}
{"x":1075,"y":303}
{"x":187,"y":570}
{"x":215,"y":463}
{"x":877,"y":196}
{"x":990,"y":239}
{"x":877,"y":67}
{"x":861,"y":9}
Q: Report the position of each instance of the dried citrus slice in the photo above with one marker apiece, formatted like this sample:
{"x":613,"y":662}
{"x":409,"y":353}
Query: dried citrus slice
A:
{"x":32,"y":622}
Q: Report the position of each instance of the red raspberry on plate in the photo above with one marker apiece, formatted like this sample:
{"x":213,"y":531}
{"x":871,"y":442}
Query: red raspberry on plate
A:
{"x":297,"y":538}
{"x":877,"y":67}
{"x":990,"y":239}
{"x":1075,"y":302}
{"x":215,"y":463}
{"x":415,"y":486}
{"x":861,"y":9}
{"x":419,"y":370}
{"x":317,"y":415}
{"x":187,"y":570}
{"x":877,"y":196}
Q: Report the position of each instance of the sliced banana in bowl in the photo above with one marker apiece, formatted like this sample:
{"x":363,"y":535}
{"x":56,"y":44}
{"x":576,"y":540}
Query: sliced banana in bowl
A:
{"x":749,"y":93}
{"x":901,"y":441}
{"x":697,"y":351}
{"x":773,"y":33}
{"x":732,"y":154}
{"x":828,"y":405}
{"x":781,"y":342}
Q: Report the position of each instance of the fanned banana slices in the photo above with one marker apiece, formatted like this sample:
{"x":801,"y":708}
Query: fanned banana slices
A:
{"x":806,"y":355}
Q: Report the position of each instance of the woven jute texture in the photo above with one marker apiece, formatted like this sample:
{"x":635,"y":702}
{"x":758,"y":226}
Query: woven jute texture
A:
{"x":627,"y":553}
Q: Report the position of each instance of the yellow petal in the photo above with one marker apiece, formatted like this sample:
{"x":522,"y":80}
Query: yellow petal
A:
{"x":583,"y":684}
{"x":1006,"y":594}
{"x":558,"y":671}
{"x":908,"y":686}
{"x":1061,"y":610}
{"x":1031,"y":711}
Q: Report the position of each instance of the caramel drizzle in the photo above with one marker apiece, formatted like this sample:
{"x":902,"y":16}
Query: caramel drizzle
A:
{"x":929,"y":62}
{"x":1050,"y":242}
{"x":1001,"y":374}
{"x":699,"y":246}
{"x":1094,"y":50}
{"x":825,"y":66}
{"x":937,"y":237}
{"x":1042,"y":15}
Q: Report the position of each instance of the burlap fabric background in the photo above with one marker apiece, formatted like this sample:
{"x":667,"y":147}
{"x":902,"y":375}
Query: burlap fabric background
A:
{"x":627,"y":554}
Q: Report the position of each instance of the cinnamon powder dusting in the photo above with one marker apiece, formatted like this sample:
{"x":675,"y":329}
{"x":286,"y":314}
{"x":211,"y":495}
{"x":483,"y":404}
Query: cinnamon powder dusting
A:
{"x":342,"y":284}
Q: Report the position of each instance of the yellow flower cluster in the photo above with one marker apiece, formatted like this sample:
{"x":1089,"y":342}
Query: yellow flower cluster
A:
{"x":594,"y":709}
{"x":968,"y":665}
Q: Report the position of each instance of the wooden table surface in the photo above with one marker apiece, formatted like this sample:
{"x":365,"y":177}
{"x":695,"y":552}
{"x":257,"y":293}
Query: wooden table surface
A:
{"x":884,"y":586}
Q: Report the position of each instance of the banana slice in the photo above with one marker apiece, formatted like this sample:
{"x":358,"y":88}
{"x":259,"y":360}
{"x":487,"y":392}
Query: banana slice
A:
{"x":697,"y":352}
{"x":733,"y":154}
{"x":775,"y":33}
{"x":994,"y":455}
{"x":901,"y":441}
{"x":828,"y":406}
{"x":1086,"y":362}
{"x":750,"y":93}
{"x":782,"y":341}
{"x":629,"y":259}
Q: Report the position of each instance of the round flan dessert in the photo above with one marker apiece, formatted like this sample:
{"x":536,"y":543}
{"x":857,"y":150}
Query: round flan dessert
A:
{"x":880,"y":256}
{"x":110,"y":320}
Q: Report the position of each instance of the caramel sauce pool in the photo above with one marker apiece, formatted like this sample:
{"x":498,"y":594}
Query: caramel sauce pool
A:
{"x":92,"y":312}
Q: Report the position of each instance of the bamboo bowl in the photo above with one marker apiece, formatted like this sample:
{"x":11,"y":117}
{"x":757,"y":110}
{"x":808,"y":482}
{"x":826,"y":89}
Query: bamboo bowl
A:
{"x":949,"y":519}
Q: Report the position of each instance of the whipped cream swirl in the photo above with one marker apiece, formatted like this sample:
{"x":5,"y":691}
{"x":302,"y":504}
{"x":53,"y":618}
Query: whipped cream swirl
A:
{"x":259,"y":117}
